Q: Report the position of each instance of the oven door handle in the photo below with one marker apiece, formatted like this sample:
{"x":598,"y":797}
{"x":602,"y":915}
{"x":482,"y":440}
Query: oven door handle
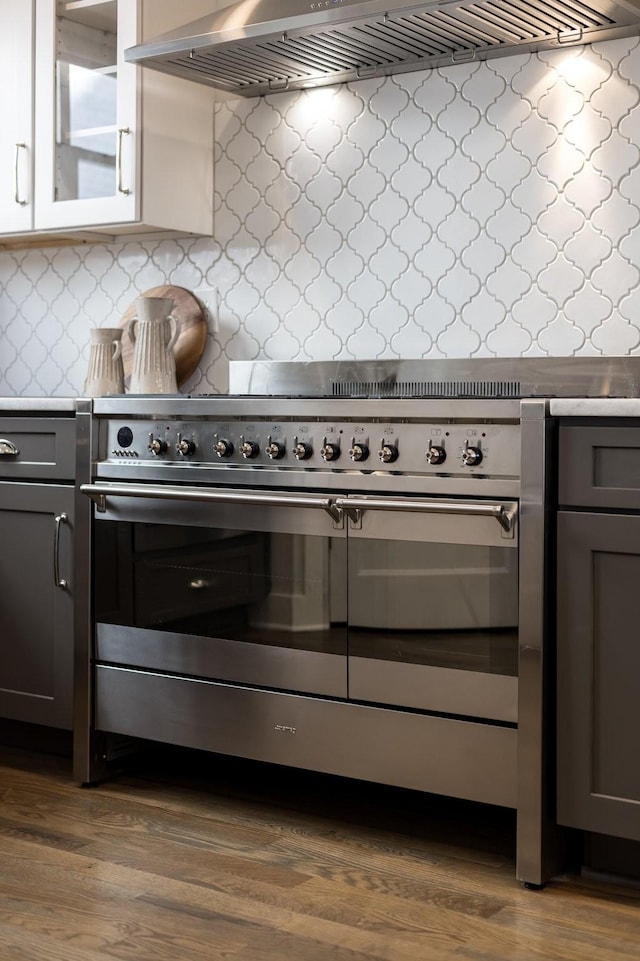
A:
{"x":505,"y":514}
{"x":99,"y":493}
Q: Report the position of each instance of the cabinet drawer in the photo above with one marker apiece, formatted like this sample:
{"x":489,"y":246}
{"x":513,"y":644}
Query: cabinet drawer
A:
{"x":600,"y":467}
{"x":45,"y":448}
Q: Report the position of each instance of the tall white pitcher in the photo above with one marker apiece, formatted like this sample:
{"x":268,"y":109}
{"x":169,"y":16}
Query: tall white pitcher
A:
{"x":105,"y":374}
{"x":153,"y":332}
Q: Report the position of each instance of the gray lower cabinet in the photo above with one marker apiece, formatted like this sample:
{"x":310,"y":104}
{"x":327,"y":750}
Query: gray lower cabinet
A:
{"x":598,"y":646}
{"x":36,"y":626}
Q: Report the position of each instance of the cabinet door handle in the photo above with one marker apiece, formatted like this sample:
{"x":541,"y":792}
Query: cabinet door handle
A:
{"x":60,"y":582}
{"x":121,"y":189}
{"x":8,"y":448}
{"x":16,"y":176}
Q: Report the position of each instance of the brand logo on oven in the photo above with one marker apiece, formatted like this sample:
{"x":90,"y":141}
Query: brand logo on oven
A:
{"x":285,"y":728}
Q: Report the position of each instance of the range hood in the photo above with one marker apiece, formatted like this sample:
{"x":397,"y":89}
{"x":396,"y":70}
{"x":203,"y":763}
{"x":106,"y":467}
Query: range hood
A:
{"x":263,"y":46}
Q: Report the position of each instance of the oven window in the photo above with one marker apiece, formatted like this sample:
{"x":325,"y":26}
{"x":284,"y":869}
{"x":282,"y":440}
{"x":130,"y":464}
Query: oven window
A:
{"x":271,"y":589}
{"x":441,"y":605}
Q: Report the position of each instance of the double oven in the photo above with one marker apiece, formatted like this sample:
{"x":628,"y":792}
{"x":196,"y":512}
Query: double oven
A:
{"x":324,"y":572}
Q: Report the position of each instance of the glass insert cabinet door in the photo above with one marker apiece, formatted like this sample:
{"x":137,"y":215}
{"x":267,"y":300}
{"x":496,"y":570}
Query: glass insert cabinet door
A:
{"x":16,"y":134}
{"x":86,"y":109}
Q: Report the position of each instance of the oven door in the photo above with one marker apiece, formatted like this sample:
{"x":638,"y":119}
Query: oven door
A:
{"x":219,"y":584}
{"x":433,"y":604}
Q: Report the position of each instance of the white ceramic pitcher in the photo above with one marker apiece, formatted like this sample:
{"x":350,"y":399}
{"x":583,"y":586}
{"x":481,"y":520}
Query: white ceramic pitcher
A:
{"x":153,"y":331}
{"x":105,"y":374}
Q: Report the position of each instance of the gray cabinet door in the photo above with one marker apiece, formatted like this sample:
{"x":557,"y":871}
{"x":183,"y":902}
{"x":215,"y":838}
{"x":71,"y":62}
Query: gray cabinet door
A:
{"x":599,"y":672}
{"x":36,"y":622}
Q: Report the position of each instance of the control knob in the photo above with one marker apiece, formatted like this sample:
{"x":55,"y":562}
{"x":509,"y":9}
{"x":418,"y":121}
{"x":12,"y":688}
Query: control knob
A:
{"x":471,"y":456}
{"x":388,"y":453}
{"x":435,"y":454}
{"x":275,"y":449}
{"x":301,"y":450}
{"x":223,"y":447}
{"x":329,"y":450}
{"x":157,"y":446}
{"x":249,"y":449}
{"x":359,"y":451}
{"x":184,"y":446}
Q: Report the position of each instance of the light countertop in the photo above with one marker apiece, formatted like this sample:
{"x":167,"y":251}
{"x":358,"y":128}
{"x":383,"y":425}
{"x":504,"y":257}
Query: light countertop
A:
{"x":36,"y":405}
{"x":595,"y":407}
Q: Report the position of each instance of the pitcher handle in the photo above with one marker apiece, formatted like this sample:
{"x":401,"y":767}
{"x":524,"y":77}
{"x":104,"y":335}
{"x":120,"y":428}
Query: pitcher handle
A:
{"x":130,"y":329}
{"x":174,"y":324}
{"x":117,"y":349}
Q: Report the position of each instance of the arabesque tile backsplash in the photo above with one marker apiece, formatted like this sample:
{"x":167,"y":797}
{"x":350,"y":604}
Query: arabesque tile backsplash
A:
{"x":489,"y":209}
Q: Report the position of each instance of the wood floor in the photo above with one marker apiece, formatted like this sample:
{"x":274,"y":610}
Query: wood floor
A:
{"x":198,"y":859}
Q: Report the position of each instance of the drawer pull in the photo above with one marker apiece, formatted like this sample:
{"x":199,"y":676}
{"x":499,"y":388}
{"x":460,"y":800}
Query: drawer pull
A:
{"x":7,"y":448}
{"x":198,"y":584}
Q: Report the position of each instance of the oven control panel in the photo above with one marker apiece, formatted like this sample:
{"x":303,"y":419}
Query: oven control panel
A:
{"x":460,"y":448}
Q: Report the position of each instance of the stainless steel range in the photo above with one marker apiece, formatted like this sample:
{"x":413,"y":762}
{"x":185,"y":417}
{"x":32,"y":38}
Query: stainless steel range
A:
{"x":338,"y":567}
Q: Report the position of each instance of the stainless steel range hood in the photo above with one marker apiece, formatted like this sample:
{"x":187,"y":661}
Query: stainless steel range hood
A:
{"x":264,"y":46}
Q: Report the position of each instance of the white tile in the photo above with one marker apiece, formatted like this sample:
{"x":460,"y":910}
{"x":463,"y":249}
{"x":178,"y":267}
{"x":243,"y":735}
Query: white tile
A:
{"x":389,"y":263}
{"x":484,"y":143}
{"x":345,"y":266}
{"x":588,"y":189}
{"x":588,"y":309}
{"x":345,"y":213}
{"x":458,"y":340}
{"x":535,"y":137}
{"x":324,"y":242}
{"x":508,"y":225}
{"x":366,"y":342}
{"x":534,"y":252}
{"x":510,"y":339}
{"x":587,"y":249}
{"x":459,"y":230}
{"x":534,"y":195}
{"x":509,"y":283}
{"x":482,"y":201}
{"x":559,"y":104}
{"x":560,"y":221}
{"x":388,"y":210}
{"x":483,"y":257}
{"x":411,"y":340}
{"x":346,"y":318}
{"x":560,"y":280}
{"x":458,"y":287}
{"x":302,"y":269}
{"x":484,"y":314}
{"x":533,"y":311}
{"x":366,"y":291}
{"x":323,"y":344}
{"x":615,"y":277}
{"x":616,"y":217}
{"x":561,"y":338}
{"x":616,"y":157}
{"x":616,"y":335}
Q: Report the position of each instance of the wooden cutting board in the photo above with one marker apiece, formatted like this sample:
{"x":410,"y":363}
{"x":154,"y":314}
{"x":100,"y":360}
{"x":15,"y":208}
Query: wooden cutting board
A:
{"x":192,"y":338}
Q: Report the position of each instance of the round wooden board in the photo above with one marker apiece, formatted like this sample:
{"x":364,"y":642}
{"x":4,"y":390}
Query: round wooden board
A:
{"x":189,"y":346}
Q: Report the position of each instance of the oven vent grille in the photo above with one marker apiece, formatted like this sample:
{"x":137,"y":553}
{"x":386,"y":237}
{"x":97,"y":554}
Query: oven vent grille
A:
{"x":428,"y":388}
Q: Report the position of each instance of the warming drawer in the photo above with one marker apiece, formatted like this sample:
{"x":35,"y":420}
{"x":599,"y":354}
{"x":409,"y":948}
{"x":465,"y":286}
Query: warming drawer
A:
{"x":455,"y":758}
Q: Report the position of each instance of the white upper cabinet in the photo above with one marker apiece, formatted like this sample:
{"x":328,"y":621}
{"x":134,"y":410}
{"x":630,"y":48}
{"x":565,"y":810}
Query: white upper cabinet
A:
{"x":118,"y":149}
{"x":16,"y":130}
